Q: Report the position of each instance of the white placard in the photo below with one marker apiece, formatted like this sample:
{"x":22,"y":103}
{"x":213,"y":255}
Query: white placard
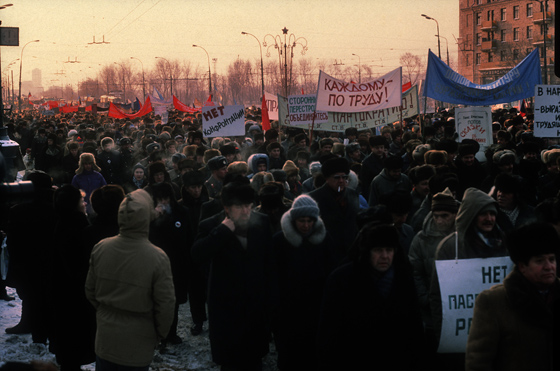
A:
{"x":547,"y":111}
{"x":223,"y":121}
{"x":474,"y":123}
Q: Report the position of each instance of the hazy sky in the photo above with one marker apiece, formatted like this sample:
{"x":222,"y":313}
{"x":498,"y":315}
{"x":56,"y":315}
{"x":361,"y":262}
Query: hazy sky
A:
{"x":379,"y":31}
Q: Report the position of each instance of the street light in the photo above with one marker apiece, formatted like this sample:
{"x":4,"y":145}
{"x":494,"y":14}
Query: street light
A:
{"x":289,"y":42}
{"x":143,"y":81}
{"x":544,"y":6}
{"x":209,"y":74}
{"x":438,"y":41}
{"x":359,"y":68}
{"x":5,"y":6}
{"x":1,"y":93}
{"x":447,"y":47}
{"x":170,"y":73}
{"x":123,"y":82}
{"x":20,"y":67}
{"x":262,"y":69}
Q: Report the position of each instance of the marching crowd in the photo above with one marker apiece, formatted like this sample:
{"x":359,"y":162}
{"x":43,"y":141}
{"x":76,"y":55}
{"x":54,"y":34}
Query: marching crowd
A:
{"x":321,"y":242}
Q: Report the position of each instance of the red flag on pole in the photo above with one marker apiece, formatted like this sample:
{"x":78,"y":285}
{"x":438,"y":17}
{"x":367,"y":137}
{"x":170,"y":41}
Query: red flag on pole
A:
{"x":264,"y":113}
{"x":406,"y":86}
{"x":523,"y":109}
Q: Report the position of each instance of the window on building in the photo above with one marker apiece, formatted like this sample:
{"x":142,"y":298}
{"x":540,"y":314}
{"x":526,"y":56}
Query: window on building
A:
{"x":515,"y":54}
{"x":529,"y":32}
{"x":516,"y":34}
{"x":516,"y":12}
{"x":478,"y":19}
{"x":490,"y":15}
{"x":477,"y":58}
{"x":478,"y":39}
{"x":490,"y":57}
{"x":503,"y":55}
{"x":467,"y":60}
{"x":530,"y":10}
{"x":503,"y":14}
{"x":503,"y":35}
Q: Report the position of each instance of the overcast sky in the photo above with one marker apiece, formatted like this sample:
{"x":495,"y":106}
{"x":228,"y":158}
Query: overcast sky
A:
{"x":379,"y":31}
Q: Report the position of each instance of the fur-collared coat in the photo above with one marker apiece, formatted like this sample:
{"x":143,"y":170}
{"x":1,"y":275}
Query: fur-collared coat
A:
{"x":514,"y":328}
{"x":304,"y":263}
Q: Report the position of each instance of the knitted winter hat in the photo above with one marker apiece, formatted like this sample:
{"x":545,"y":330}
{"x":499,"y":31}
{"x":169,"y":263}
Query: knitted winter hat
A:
{"x":444,"y":201}
{"x":304,"y":206}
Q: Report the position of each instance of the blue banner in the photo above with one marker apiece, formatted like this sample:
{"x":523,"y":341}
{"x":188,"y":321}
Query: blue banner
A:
{"x":444,"y":84}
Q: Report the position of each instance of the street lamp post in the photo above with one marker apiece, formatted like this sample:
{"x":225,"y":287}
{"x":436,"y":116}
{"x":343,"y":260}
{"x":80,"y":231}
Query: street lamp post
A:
{"x":359,"y":68}
{"x":1,"y":93}
{"x":170,"y":73}
{"x":209,"y":73}
{"x":143,"y":81}
{"x":20,"y":67}
{"x":447,"y":47}
{"x":262,"y":68}
{"x":438,"y":40}
{"x":544,"y":6}
{"x":290,"y":42}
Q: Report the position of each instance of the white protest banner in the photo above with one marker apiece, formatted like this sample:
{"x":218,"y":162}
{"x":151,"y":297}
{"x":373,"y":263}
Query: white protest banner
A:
{"x":547,"y":111}
{"x":460,"y":282}
{"x":474,"y":123}
{"x":335,"y":95}
{"x":223,"y":121}
{"x":272,"y":105}
{"x":340,"y":121}
{"x":302,"y":110}
{"x":283,"y":112}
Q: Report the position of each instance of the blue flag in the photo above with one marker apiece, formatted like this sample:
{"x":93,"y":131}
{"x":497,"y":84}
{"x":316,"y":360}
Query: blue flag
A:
{"x":444,"y":84}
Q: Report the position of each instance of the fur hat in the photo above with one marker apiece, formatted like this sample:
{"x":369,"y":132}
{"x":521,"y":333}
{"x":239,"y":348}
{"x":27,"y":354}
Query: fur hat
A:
{"x":468,"y":148}
{"x":177,"y":157}
{"x":238,"y":167}
{"x":301,"y":136}
{"x":444,"y":201}
{"x":338,"y":149}
{"x":237,"y":193}
{"x":273,"y":145}
{"x":532,"y":240}
{"x":435,"y":157}
{"x":87,"y":158}
{"x":217,"y":163}
{"x":290,"y":168}
{"x":352,"y":147}
{"x":209,"y":154}
{"x":304,"y":206}
{"x":378,"y":140}
{"x":106,"y":200}
{"x":507,"y":183}
{"x":193,"y":178}
{"x":419,"y":152}
{"x":335,"y":165}
{"x":315,"y":167}
{"x":228,"y":149}
{"x":420,"y":173}
{"x":504,"y":157}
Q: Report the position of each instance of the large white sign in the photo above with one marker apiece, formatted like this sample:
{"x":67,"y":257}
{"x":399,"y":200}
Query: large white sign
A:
{"x":547,"y":111}
{"x":460,"y":282}
{"x":302,"y":111}
{"x":272,"y":105}
{"x":474,"y":123}
{"x":335,"y":95}
{"x":223,"y":121}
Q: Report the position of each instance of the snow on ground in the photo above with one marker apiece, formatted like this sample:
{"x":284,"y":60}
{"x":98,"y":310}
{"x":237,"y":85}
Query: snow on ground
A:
{"x":192,"y":354}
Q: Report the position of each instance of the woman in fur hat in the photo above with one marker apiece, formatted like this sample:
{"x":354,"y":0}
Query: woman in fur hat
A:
{"x":306,"y":255}
{"x":88,"y":178}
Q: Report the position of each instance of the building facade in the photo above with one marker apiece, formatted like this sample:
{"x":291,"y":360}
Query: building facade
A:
{"x":495,"y":35}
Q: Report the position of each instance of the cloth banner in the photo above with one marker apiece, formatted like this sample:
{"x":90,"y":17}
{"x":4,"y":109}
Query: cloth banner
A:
{"x":118,"y":114}
{"x":444,"y":84}
{"x":180,"y":106}
{"x":223,"y":121}
{"x":272,"y":105}
{"x":460,"y":282}
{"x":302,"y":110}
{"x":474,"y":123}
{"x":335,"y":95}
{"x":547,"y":111}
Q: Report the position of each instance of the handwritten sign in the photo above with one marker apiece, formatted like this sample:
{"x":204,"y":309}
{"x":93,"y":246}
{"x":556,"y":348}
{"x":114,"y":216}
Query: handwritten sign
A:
{"x":547,"y":111}
{"x":223,"y":121}
{"x":474,"y":123}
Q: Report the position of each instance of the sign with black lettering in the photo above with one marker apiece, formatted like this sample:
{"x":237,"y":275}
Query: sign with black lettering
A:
{"x":460,"y":282}
{"x":271,"y":105}
{"x":223,"y":121}
{"x":547,"y":111}
{"x":474,"y":123}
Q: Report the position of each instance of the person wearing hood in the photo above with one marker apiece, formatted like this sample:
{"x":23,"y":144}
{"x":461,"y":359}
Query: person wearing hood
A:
{"x":130,"y":285}
{"x":439,"y":223}
{"x":477,"y":235}
{"x":88,"y":177}
{"x":370,"y":318}
{"x":257,"y":163}
{"x":305,"y":254}
{"x":138,"y":179}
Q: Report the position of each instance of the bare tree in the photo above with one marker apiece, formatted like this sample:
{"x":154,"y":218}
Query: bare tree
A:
{"x":108,"y":77}
{"x":412,"y":67}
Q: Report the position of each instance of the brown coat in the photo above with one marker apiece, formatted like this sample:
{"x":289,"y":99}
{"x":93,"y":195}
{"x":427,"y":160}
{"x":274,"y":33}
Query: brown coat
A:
{"x":512,"y":327}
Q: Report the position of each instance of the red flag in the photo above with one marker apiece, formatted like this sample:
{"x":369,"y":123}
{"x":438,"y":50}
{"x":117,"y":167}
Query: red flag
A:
{"x":302,"y":93}
{"x":523,"y":110}
{"x":264,"y":113}
{"x":209,"y":101}
{"x":406,"y":86}
{"x":180,"y":106}
{"x":117,"y":113}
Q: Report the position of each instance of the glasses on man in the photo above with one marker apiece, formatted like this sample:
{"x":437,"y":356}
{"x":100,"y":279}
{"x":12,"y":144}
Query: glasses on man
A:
{"x":339,"y":177}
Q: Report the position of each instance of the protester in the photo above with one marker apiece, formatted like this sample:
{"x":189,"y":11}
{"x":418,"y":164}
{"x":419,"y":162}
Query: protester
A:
{"x":88,"y":178}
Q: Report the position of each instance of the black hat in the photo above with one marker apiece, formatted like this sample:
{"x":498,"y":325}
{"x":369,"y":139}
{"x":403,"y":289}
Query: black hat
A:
{"x":378,"y":140}
{"x":301,"y":136}
{"x":507,"y":183}
{"x":217,"y":163}
{"x":193,"y":178}
{"x":468,"y":147}
{"x":335,"y":165}
{"x":227,"y":150}
{"x":237,"y":193}
{"x":125,"y":141}
{"x":532,"y":240}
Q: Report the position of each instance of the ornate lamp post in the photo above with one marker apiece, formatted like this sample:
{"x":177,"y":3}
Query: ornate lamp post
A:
{"x":262,"y":68}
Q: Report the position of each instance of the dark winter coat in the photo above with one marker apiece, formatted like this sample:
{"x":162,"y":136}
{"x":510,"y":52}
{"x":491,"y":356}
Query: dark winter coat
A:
{"x":304,"y":264}
{"x":469,"y":176}
{"x":371,"y":167}
{"x":241,"y":288}
{"x":513,"y":328}
{"x":111,"y":166}
{"x":361,"y":329}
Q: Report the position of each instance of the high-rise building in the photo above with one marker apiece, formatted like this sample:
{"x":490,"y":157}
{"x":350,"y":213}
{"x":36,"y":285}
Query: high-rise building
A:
{"x":36,"y":78}
{"x":495,"y":35}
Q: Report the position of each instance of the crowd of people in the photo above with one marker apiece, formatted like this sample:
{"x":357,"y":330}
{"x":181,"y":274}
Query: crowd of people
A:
{"x":322,"y":242}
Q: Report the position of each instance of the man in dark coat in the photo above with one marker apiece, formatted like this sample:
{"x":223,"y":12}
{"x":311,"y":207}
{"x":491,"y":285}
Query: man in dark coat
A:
{"x":515,"y":324}
{"x":338,"y":203}
{"x":370,"y":317}
{"x":109,"y":160}
{"x":241,"y":282}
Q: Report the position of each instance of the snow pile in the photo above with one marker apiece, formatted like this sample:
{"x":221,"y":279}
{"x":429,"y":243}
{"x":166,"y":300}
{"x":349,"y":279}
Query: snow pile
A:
{"x":192,"y":354}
